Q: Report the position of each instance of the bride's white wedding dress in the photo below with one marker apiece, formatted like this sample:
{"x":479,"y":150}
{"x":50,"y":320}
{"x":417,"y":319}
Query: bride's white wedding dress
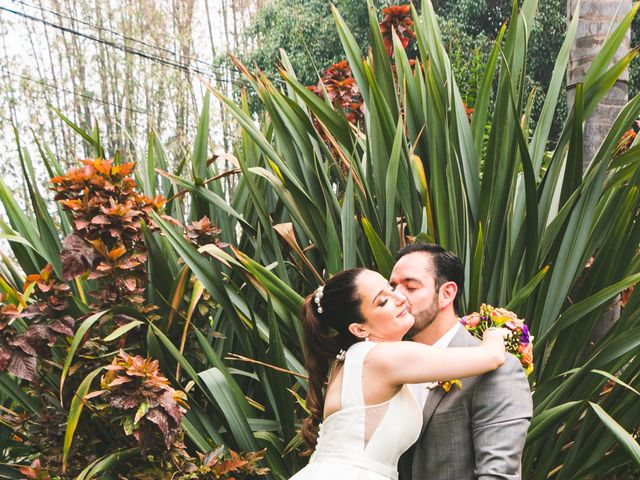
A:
{"x":363,"y":442}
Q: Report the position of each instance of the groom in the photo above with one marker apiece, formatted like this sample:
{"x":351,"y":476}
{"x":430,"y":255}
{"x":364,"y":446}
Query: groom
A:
{"x":478,"y":431}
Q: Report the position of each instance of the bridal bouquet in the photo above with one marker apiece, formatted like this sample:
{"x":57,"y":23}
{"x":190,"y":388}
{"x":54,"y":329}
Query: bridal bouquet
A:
{"x":519,"y":342}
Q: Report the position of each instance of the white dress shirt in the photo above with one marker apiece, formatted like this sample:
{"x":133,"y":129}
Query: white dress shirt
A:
{"x":420,"y":390}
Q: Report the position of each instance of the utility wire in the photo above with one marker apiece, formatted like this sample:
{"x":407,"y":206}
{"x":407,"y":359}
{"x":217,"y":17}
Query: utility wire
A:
{"x":88,"y":97}
{"x":177,"y":65}
{"x":94,"y":99}
{"x":150,"y":57}
{"x":113,"y":32}
{"x":126,"y":37}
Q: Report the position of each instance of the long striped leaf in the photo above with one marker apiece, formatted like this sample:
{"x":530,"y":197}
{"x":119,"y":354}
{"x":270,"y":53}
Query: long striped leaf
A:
{"x":348,"y":223}
{"x":104,"y":463}
{"x":578,"y":310}
{"x":84,"y":327}
{"x":75,"y":410}
{"x":216,"y":384}
{"x":391,"y":183}
{"x":541,"y":422}
{"x":625,"y":439}
{"x":381,"y":254}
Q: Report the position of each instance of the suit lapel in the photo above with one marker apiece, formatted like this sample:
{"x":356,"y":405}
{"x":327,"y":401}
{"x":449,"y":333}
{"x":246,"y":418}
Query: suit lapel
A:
{"x":460,"y":339}
{"x":433,"y":400}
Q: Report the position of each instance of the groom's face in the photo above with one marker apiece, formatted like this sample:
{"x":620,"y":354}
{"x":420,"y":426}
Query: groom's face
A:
{"x":413,"y":275}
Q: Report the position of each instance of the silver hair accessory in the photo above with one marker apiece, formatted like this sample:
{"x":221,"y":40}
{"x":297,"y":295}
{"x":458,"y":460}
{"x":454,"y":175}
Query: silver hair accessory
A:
{"x":340,"y":356}
{"x":317,"y":297}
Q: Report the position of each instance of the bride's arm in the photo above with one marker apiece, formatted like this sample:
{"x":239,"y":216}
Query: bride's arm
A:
{"x":413,"y":362}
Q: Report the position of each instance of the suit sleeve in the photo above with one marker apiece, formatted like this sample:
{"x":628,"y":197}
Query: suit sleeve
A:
{"x":501,"y":411}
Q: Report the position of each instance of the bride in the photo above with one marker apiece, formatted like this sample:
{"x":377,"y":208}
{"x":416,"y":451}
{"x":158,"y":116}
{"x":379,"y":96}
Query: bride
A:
{"x":362,"y":414}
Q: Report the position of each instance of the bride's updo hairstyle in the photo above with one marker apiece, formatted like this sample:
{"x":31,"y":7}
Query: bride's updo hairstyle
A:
{"x":326,"y":316}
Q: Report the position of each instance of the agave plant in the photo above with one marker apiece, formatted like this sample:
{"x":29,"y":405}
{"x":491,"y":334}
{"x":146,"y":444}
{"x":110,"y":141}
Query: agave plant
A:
{"x":536,"y":234}
{"x":315,"y":189}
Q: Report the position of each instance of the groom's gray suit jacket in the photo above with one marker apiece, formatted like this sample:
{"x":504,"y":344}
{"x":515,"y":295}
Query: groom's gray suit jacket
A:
{"x":477,"y":432}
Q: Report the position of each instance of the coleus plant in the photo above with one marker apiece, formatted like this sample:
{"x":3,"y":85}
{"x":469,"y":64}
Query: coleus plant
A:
{"x":342,"y":90}
{"x":396,"y":18}
{"x":29,"y":329}
{"x":142,"y":401}
{"x":107,"y":215}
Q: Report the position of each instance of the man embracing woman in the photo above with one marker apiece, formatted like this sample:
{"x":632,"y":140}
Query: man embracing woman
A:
{"x":378,"y":407}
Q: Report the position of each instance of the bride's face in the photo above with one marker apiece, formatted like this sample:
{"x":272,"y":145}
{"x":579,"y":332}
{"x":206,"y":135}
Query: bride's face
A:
{"x":385,"y":310}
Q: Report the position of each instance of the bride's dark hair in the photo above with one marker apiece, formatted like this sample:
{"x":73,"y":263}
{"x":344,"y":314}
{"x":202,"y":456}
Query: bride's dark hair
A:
{"x":325,"y":334}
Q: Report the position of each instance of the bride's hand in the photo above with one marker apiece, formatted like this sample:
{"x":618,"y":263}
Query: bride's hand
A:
{"x":494,"y":337}
{"x":499,"y":334}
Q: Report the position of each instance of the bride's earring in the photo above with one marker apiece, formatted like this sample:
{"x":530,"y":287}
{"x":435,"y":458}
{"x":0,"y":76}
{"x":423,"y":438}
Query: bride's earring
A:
{"x":366,"y":339}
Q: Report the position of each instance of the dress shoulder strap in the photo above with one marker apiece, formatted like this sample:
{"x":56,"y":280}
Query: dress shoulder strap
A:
{"x":352,"y":374}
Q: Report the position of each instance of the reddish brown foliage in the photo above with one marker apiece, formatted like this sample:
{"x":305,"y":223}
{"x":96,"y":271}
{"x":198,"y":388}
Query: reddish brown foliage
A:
{"x":202,"y":232}
{"x":625,"y":295}
{"x":142,"y":400}
{"x":108,"y":213}
{"x":338,"y":81}
{"x":398,"y":18}
{"x":625,"y":142}
{"x":107,"y":245}
{"x":342,"y":91}
{"x":220,"y":464}
{"x":468,"y":109}
{"x":35,"y":471}
{"x":47,"y":319}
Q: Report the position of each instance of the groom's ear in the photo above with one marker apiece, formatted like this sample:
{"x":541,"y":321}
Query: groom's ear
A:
{"x":447,"y":294}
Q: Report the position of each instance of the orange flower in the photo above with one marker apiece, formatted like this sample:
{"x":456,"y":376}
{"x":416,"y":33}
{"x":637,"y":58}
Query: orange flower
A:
{"x":527,"y":354}
{"x":472,"y":320}
{"x":117,"y":252}
{"x":123,"y":169}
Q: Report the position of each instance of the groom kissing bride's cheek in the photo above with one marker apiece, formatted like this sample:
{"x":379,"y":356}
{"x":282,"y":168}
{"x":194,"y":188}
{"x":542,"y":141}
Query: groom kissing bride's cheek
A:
{"x":477,"y":431}
{"x":383,"y":408}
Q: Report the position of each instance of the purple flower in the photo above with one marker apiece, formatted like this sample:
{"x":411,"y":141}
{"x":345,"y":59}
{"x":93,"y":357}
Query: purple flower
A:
{"x":524,"y":336}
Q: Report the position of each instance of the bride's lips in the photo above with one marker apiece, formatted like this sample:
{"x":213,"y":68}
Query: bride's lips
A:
{"x":403,"y":312}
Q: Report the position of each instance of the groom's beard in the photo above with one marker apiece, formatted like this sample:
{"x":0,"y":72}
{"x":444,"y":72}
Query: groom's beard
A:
{"x":424,"y":318}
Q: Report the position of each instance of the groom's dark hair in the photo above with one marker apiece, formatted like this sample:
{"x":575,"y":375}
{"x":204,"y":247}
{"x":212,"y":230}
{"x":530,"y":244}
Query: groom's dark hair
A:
{"x":447,"y":266}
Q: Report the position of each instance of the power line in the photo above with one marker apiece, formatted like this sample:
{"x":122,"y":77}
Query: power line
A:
{"x":94,"y":99}
{"x":113,"y":32}
{"x":179,"y":66}
{"x":88,"y":97}
{"x":150,"y":57}
{"x":126,"y":37}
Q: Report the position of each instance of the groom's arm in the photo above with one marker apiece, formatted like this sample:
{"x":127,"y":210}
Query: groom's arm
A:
{"x":501,"y":411}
